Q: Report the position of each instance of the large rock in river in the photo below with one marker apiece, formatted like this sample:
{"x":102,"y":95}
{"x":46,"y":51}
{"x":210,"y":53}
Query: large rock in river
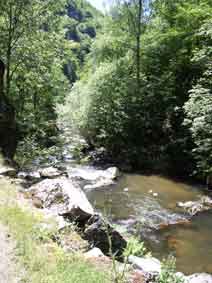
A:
{"x":31,"y":176}
{"x":199,"y":278}
{"x":62,"y":197}
{"x":50,"y":172}
{"x":195,"y":207}
{"x":92,"y":178}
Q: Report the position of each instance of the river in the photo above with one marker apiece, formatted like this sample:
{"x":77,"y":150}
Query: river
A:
{"x":143,"y":204}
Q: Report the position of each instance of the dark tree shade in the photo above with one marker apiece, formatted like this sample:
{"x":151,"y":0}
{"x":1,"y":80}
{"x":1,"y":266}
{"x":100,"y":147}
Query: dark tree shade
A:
{"x":2,"y":70}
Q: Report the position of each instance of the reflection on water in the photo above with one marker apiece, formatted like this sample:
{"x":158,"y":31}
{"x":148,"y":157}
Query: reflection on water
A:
{"x":149,"y":201}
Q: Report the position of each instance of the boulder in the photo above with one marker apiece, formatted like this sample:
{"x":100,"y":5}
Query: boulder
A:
{"x":138,"y":276}
{"x":62,"y":224}
{"x":33,"y":176}
{"x":113,"y":173}
{"x":95,"y":252}
{"x":100,"y":234}
{"x":95,"y":178}
{"x":8,"y":171}
{"x":199,"y":278}
{"x":86,"y":173}
{"x":195,"y":207}
{"x":64,"y":198}
{"x":50,"y":172}
{"x":182,"y":277}
{"x":149,"y":265}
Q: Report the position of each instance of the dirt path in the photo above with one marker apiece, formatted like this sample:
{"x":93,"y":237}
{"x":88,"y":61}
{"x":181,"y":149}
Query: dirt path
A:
{"x":7,"y":262}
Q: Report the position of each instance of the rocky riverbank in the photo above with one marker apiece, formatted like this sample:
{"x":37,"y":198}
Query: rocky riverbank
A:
{"x":60,"y":193}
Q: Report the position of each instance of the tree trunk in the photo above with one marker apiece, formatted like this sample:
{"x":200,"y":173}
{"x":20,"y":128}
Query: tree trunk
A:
{"x":2,"y":70}
{"x":209,"y":182}
{"x":138,"y":43}
{"x":9,"y":49}
{"x":8,"y":129}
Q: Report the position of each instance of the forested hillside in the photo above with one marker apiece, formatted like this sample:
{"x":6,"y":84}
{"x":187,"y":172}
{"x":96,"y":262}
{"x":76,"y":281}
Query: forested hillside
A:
{"x":145,"y":93}
{"x":83,"y":23}
{"x":136,"y":81}
{"x":43,"y":45}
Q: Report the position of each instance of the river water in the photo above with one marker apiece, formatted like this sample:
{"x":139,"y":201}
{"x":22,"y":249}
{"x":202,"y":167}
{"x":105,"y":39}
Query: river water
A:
{"x":146,"y":206}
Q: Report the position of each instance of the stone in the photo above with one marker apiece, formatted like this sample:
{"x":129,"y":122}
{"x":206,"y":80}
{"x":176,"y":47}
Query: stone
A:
{"x":98,"y":232}
{"x":113,"y":173}
{"x":61,"y":223}
{"x":63,"y":197}
{"x":33,"y":176}
{"x":86,"y":174}
{"x":149,"y":265}
{"x":8,"y":171}
{"x":95,"y":252}
{"x":138,"y":276}
{"x":95,"y":178}
{"x":50,"y":172}
{"x":199,"y":278}
{"x":195,"y":207}
{"x":183,"y":222}
{"x":37,"y":202}
{"x":68,"y":157}
{"x":181,"y":276}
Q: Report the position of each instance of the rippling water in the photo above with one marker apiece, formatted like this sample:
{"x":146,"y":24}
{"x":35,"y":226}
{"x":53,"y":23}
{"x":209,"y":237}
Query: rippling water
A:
{"x":143,"y":204}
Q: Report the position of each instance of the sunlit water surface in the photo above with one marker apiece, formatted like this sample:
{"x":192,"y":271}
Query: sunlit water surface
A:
{"x":131,"y":203}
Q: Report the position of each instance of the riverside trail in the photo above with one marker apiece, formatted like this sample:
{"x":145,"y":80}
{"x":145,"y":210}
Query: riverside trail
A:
{"x":7,"y":258}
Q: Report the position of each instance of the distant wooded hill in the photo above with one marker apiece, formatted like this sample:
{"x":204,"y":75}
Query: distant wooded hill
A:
{"x":82,"y":25}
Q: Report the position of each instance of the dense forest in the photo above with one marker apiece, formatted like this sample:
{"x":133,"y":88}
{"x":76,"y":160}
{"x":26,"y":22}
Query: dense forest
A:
{"x":42,"y":48}
{"x":145,"y":91}
{"x":136,"y":81}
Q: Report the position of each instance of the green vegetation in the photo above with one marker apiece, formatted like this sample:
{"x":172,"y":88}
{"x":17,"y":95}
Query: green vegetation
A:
{"x":43,"y":46}
{"x":135,"y":247}
{"x":45,"y":262}
{"x":136,"y":81}
{"x":42,"y":259}
{"x":143,"y":107}
{"x":33,"y":48}
{"x":168,"y":273}
{"x":81,"y":26}
{"x":198,"y":108}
